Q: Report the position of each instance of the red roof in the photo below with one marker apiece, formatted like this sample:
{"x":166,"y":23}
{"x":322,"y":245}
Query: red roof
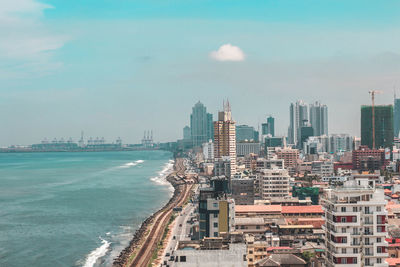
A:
{"x":302,"y":209}
{"x":395,"y":196}
{"x":275,"y":248}
{"x":393,"y":261}
{"x":259,"y":208}
{"x":387,"y":191}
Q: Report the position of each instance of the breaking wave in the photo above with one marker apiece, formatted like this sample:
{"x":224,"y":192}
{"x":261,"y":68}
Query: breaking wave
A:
{"x":97,"y":253}
{"x":131,"y":164}
{"x":162,"y":175}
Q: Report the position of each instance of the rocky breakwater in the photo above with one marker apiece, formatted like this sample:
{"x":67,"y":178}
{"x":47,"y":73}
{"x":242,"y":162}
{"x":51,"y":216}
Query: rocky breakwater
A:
{"x":125,"y":257}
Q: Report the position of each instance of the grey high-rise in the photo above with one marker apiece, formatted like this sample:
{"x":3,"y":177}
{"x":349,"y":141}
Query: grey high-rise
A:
{"x":319,"y":119}
{"x":201,"y":125}
{"x":269,"y":127}
{"x":396,"y":117}
{"x":298,"y":114}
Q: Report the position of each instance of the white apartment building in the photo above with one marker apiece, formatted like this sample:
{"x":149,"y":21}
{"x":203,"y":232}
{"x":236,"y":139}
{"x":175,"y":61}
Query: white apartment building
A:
{"x":355,"y":225}
{"x":274,"y":183}
{"x":322,"y":168}
{"x":208,"y":151}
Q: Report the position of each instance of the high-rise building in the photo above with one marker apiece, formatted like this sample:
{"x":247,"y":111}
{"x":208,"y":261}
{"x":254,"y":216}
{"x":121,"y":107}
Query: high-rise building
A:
{"x":298,"y":114}
{"x":225,"y":136}
{"x":396,"y":117}
{"x":319,"y":118}
{"x":268,"y":128}
{"x":246,"y":133}
{"x":186,"y":133}
{"x":210,"y":127}
{"x":200,"y":125}
{"x":355,"y":225}
{"x":306,"y":131}
{"x":383,"y":126}
{"x":340,"y":143}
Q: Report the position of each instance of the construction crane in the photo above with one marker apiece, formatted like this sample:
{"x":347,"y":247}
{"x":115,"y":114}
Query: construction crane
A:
{"x":372,"y":93}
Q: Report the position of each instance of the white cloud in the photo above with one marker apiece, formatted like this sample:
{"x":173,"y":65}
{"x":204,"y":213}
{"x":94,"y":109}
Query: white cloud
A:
{"x":228,"y":52}
{"x":26,"y":43}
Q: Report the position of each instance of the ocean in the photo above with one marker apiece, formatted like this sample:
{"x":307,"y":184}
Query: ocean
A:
{"x":76,"y":209}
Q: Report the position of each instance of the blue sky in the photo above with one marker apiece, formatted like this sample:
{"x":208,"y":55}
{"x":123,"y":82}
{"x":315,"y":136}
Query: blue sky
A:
{"x":117,"y":68}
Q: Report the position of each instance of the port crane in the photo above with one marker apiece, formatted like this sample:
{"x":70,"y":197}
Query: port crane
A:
{"x":373,"y":93}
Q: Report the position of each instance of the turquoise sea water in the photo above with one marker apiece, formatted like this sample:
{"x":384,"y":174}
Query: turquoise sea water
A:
{"x":76,"y":209}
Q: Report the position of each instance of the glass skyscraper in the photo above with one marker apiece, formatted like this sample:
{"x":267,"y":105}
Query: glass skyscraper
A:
{"x":201,"y":125}
{"x":396,"y":117}
{"x":383,"y":126}
{"x":319,"y":119}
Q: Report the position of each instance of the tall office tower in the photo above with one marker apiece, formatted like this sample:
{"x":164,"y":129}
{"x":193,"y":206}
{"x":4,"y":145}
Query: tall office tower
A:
{"x":396,"y":117}
{"x":298,"y":113}
{"x":306,"y":131}
{"x":383,"y":126}
{"x":225,"y":136}
{"x":186,"y":133}
{"x":210,"y":127}
{"x":200,"y":126}
{"x":268,"y":128}
{"x":245,"y":132}
{"x":340,"y":143}
{"x":355,"y":225}
{"x":319,"y":118}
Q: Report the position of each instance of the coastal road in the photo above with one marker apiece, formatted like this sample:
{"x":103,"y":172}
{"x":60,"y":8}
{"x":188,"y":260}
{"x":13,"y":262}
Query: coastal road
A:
{"x":179,"y":232}
{"x":144,"y":255}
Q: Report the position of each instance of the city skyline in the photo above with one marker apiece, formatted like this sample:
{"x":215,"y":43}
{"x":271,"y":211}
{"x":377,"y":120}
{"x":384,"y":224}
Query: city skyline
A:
{"x":109,"y":72}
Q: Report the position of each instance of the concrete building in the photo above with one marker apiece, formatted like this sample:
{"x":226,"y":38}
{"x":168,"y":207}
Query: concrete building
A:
{"x":254,"y":226}
{"x":319,"y":118}
{"x":322,"y":168}
{"x":276,"y":163}
{"x":306,"y":131}
{"x":289,"y":156}
{"x":232,"y":256}
{"x":366,"y":159}
{"x":216,"y":212}
{"x":356,"y":225}
{"x":243,"y":191}
{"x":274,"y":183}
{"x":225,"y":136}
{"x":208,"y":151}
{"x":246,"y":148}
{"x":340,"y":143}
{"x":222,"y":167}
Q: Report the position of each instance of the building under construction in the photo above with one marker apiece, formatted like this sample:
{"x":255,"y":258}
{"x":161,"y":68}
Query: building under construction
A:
{"x":383,"y":126}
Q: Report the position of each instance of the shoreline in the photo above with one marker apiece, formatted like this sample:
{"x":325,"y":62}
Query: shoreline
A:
{"x":125,"y":257}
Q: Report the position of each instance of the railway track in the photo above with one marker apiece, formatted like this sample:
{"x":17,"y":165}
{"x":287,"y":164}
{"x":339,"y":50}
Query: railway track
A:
{"x":146,"y":251}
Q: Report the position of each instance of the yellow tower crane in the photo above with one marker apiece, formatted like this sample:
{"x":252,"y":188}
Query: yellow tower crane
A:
{"x":372,"y":93}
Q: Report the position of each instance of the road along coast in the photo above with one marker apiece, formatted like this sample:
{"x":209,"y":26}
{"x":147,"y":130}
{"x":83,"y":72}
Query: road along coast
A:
{"x":146,"y":239}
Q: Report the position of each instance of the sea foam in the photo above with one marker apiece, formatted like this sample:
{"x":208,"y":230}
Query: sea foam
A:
{"x":161,"y":178}
{"x":97,"y":253}
{"x":131,"y":164}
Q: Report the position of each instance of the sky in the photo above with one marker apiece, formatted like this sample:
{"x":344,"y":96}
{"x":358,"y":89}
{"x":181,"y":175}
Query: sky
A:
{"x":115,"y":68}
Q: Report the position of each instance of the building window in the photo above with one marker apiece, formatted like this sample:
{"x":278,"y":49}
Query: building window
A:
{"x":378,"y":260}
{"x":378,"y":240}
{"x":355,"y":250}
{"x":215,"y":205}
{"x":354,"y":209}
{"x":215,"y":234}
{"x":343,"y":219}
{"x":215,"y":215}
{"x":343,"y":209}
{"x":344,"y":251}
{"x":182,"y":258}
{"x":378,"y":208}
{"x":215,"y":224}
{"x":343,"y":230}
{"x":258,"y":227}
